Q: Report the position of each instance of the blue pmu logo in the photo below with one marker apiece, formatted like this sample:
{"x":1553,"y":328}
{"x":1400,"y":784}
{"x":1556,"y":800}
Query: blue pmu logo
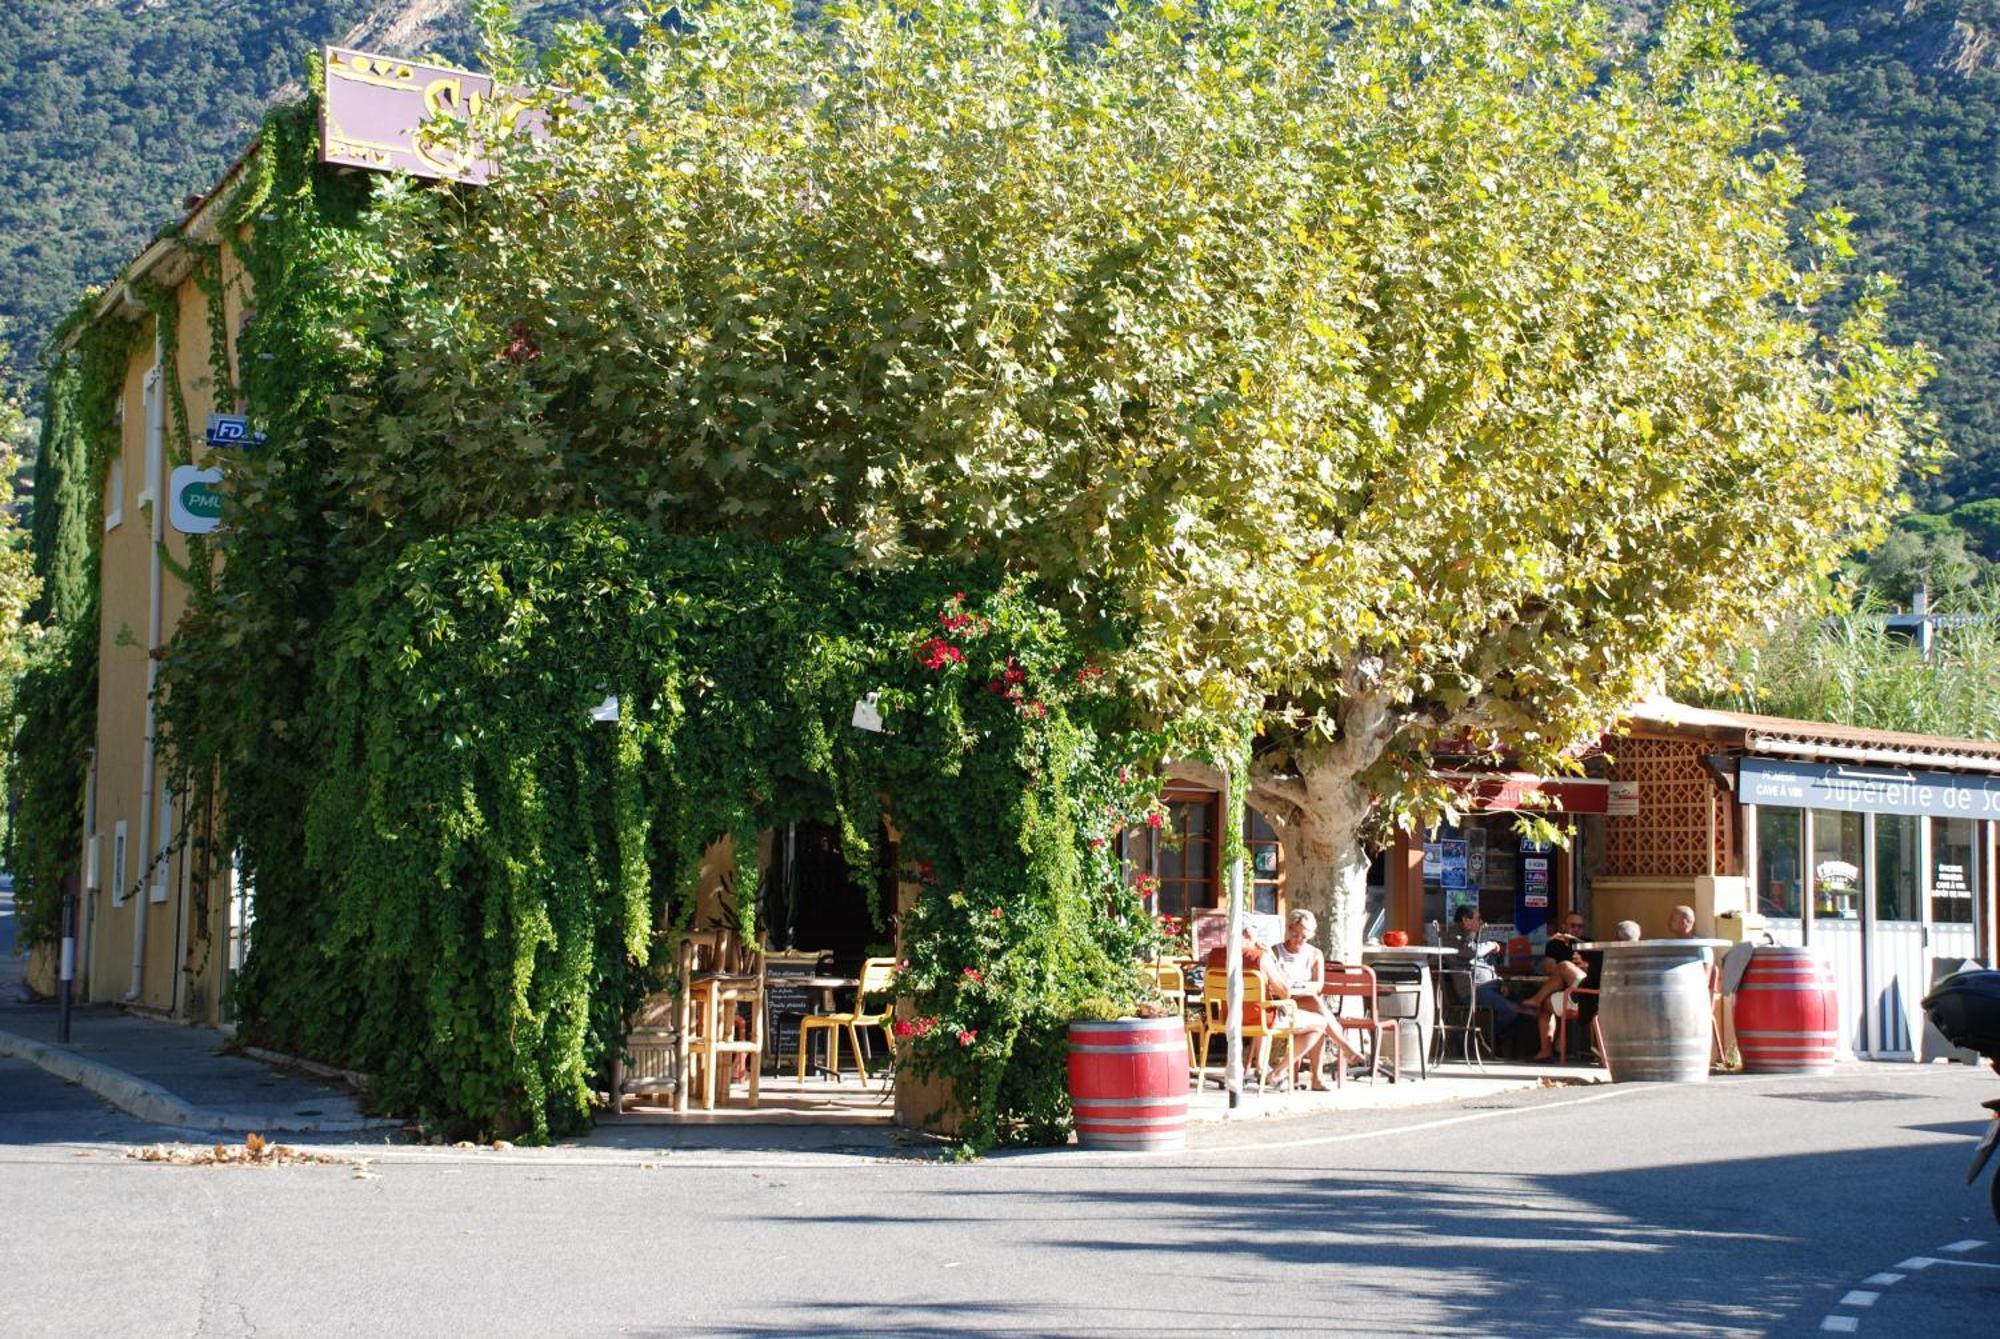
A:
{"x":232,"y":430}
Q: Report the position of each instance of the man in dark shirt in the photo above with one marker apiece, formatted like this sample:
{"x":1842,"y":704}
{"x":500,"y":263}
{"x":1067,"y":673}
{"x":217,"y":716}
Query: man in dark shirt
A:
{"x":1475,"y":957}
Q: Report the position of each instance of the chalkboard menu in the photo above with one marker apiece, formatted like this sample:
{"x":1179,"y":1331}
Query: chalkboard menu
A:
{"x":786,"y":1001}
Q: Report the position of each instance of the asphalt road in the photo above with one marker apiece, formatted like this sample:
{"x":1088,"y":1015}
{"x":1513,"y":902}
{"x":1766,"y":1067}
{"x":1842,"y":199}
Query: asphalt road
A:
{"x":1738,"y":1207}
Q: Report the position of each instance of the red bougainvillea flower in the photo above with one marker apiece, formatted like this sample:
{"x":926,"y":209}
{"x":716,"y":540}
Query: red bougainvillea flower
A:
{"x":967,"y":1036}
{"x":1155,"y":819}
{"x":937,"y":653}
{"x":975,"y":974}
{"x":996,"y":913}
{"x":923,"y":1026}
{"x":523,"y":348}
{"x":904,"y":1029}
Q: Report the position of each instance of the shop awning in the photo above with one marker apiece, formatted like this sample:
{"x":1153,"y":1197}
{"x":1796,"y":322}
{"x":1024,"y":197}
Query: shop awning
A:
{"x":1511,"y":792}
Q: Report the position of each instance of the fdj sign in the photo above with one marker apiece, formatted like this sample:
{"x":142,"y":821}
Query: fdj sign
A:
{"x":195,"y":499}
{"x":232,"y":430}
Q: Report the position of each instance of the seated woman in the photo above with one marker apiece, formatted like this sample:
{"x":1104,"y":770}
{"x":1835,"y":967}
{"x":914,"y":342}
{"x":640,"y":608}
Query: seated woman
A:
{"x":1563,"y":970}
{"x":1302,"y":967}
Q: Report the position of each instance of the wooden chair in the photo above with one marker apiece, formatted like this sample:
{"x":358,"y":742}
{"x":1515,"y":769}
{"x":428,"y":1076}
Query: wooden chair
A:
{"x":878,"y":977}
{"x":1342,"y":983}
{"x":718,"y":975}
{"x":1263,"y":1020}
{"x":648,"y":1063}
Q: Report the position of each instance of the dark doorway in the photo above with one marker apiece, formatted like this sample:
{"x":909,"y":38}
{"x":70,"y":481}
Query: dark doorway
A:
{"x":812,"y":903}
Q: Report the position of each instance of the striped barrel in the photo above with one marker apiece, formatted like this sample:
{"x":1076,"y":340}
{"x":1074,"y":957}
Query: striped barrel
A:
{"x":1655,"y":1012}
{"x":1128,"y":1083}
{"x":1787,"y":1013}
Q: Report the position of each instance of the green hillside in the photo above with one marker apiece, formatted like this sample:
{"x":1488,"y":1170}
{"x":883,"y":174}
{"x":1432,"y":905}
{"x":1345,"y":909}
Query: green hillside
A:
{"x":111,"y":113}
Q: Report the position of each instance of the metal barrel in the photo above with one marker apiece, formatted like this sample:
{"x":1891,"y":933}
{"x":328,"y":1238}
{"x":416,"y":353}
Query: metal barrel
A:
{"x":1128,"y":1083}
{"x":1787,"y":1012}
{"x":1655,"y":1012}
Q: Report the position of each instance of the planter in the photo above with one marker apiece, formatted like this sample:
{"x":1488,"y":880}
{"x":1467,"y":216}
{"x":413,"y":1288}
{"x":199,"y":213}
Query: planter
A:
{"x":1655,"y":1010}
{"x":1787,"y":1015}
{"x":1128,"y":1083}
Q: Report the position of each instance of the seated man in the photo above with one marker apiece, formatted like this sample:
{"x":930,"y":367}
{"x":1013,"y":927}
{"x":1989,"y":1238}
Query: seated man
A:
{"x":1563,"y":970}
{"x":1476,"y":957}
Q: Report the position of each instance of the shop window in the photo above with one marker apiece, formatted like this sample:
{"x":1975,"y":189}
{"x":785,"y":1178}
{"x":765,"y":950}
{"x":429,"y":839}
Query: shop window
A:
{"x":1952,"y":870}
{"x":1267,"y":862}
{"x":1838,"y":854}
{"x":1896,"y":867}
{"x":1779,"y":831}
{"x":1190,"y":857}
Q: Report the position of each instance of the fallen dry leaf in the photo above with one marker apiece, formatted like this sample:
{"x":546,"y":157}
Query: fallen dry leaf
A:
{"x":255,"y":1152}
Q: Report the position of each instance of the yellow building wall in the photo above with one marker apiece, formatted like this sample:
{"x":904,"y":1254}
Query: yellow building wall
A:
{"x":183,"y":966}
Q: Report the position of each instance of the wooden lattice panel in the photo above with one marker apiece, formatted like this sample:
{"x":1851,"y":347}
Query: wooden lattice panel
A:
{"x":1682,"y":827}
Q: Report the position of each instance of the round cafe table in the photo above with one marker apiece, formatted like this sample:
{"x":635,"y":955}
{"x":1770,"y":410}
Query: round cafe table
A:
{"x":1426,"y":958}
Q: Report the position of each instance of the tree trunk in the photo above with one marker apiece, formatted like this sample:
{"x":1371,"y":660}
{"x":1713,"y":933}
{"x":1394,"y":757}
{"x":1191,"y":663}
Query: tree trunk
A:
{"x":1330,"y":806}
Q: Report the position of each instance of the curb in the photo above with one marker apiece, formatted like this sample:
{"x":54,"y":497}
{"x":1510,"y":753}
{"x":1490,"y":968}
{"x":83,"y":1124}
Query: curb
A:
{"x":150,"y":1102}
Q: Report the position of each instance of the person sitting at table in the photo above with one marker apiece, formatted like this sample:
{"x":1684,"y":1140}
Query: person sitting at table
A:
{"x":1680,"y":923}
{"x":1563,"y":970}
{"x":1303,"y":967}
{"x":1486,"y":991}
{"x":1308,"y":1028}
{"x":1626,"y":932}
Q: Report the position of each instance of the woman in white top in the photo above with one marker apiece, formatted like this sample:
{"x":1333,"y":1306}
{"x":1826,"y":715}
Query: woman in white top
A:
{"x":1301,"y":966}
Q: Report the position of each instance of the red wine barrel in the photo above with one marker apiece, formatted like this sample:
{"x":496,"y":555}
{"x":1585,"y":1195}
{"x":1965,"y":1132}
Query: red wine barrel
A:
{"x":1128,"y":1083}
{"x":1787,"y":1014}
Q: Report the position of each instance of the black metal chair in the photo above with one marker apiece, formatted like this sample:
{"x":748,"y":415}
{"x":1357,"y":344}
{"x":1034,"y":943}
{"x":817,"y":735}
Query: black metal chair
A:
{"x":1464,"y":1016}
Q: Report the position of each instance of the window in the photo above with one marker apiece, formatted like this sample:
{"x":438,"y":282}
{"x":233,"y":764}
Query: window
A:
{"x":1267,"y":862}
{"x":118,"y":889}
{"x":1778,"y":837}
{"x":1838,"y":855}
{"x":1189,"y":856}
{"x":156,"y":431}
{"x":1896,"y":867}
{"x":1954,"y":871}
{"x":164,"y":865}
{"x":114,"y":494}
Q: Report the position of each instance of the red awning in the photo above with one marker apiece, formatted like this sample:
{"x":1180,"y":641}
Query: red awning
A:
{"x":1508,"y":792}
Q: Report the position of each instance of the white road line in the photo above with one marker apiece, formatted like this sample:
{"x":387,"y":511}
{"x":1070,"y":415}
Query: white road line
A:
{"x":1969,"y":1244}
{"x":1966,"y":1264}
{"x":1882,"y":1280}
{"x":1917,"y":1262}
{"x":1859,"y":1297}
{"x":1841,"y":1324}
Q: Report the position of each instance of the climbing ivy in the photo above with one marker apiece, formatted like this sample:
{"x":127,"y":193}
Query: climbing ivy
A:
{"x":490,"y":866}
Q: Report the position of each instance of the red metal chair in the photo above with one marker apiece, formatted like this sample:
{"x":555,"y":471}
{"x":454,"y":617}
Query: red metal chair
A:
{"x":1342,"y":982}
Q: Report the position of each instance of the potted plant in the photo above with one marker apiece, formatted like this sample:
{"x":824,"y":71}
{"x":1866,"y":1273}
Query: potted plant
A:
{"x":1128,"y":1081}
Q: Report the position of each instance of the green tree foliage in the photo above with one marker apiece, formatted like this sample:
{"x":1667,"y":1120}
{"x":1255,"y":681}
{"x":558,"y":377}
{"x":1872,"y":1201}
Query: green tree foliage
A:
{"x":1853,"y":670}
{"x":1424,"y":377}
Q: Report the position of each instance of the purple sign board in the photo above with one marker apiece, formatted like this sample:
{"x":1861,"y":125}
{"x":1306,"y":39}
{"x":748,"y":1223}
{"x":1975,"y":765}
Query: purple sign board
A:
{"x":394,"y":115}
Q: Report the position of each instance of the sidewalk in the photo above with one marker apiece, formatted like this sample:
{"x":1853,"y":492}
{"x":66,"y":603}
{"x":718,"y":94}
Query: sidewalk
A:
{"x":179,"y":1075}
{"x":171,"y":1073}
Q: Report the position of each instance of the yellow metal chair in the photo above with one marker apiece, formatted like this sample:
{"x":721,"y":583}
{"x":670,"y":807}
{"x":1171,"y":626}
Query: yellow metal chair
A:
{"x":878,"y":978}
{"x":1264,"y":1020}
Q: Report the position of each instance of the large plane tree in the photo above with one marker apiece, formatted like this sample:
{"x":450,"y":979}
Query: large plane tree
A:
{"x":1404,"y":377}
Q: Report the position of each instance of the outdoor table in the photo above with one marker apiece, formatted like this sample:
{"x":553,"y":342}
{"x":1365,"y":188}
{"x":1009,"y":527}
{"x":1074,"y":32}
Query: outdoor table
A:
{"x":1426,"y":958}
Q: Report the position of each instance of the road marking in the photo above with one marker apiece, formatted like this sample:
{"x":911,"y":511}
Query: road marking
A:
{"x":1916,"y":1262}
{"x":1882,"y":1280}
{"x":1859,"y":1297}
{"x":1841,"y":1324}
{"x":1969,"y":1244}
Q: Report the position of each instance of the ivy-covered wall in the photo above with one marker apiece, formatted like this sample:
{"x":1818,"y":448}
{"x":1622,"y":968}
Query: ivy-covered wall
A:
{"x":486,"y":868}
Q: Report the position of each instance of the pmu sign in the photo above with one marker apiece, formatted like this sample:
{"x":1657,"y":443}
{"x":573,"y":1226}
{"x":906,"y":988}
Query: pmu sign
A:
{"x":227,"y":430}
{"x":392,"y":115}
{"x":194,"y":499}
